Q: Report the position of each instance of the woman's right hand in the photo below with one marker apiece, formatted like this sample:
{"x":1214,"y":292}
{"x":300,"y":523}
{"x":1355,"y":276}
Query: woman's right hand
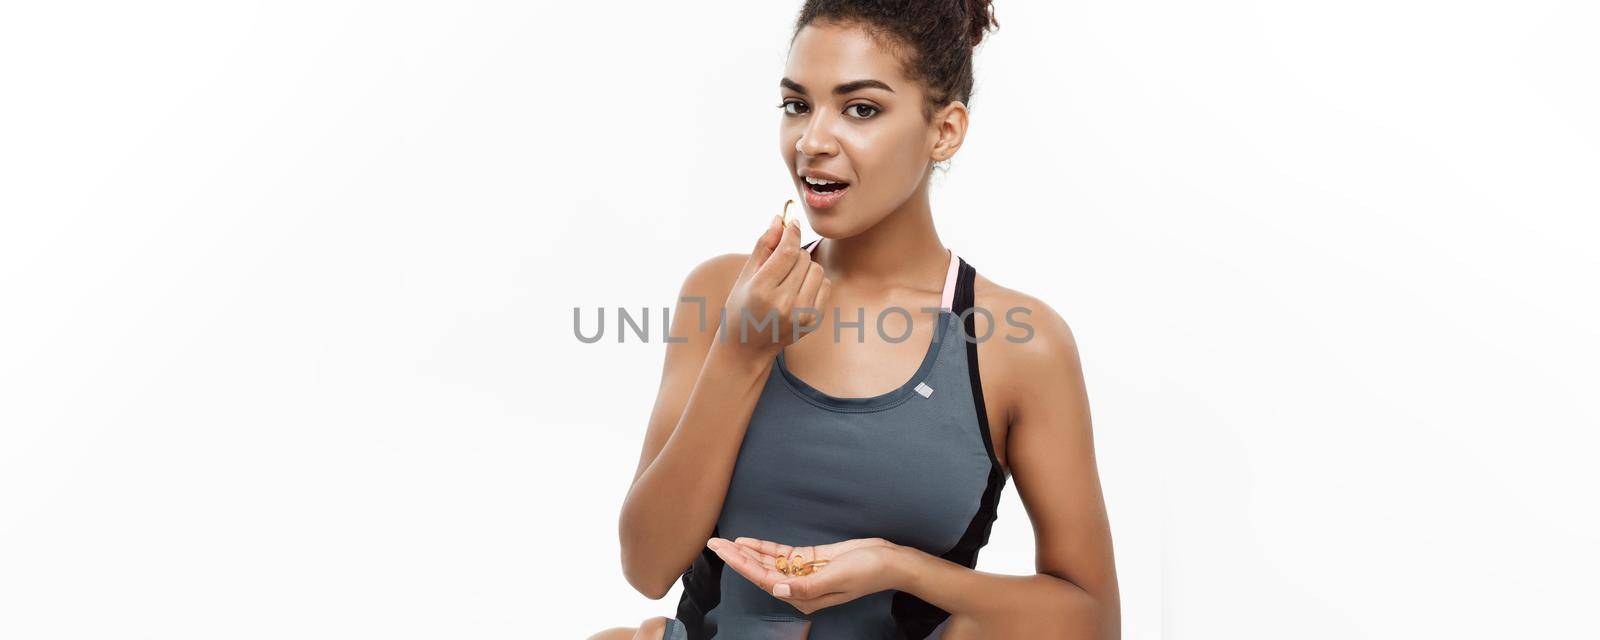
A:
{"x":777,"y":297}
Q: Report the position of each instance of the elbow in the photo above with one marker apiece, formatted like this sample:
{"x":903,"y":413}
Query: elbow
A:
{"x":651,"y":591}
{"x":1083,"y":614}
{"x":648,"y":580}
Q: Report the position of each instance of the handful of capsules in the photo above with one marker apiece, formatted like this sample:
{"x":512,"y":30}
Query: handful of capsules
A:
{"x":797,"y":565}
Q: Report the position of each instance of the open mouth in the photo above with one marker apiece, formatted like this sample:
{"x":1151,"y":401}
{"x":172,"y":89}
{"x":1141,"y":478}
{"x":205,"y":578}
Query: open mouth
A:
{"x":822,"y":194}
{"x":818,"y":185}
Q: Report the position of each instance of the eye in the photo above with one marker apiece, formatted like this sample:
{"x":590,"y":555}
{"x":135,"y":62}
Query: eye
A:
{"x":862,"y":111}
{"x":793,"y":107}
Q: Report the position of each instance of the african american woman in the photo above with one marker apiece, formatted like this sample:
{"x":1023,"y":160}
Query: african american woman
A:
{"x":834,"y":475}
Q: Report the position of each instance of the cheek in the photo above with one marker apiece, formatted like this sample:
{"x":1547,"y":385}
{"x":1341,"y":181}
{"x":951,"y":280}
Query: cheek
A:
{"x":891,"y":159}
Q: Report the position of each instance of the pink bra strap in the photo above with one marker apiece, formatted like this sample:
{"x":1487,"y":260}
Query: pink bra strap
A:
{"x":948,"y":298}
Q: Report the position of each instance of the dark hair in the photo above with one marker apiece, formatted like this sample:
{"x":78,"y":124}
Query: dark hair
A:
{"x":935,"y":38}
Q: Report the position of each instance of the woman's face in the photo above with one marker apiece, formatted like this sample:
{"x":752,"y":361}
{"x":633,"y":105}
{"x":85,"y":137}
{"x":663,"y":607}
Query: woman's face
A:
{"x":851,"y":116}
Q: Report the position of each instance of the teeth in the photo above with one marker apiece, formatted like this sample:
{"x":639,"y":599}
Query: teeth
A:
{"x":818,"y":181}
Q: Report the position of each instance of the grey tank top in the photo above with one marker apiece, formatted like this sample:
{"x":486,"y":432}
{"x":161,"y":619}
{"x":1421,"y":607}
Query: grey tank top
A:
{"x":915,"y":466}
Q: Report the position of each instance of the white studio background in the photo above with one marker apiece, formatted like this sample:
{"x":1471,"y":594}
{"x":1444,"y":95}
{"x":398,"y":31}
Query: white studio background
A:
{"x":286,"y":348}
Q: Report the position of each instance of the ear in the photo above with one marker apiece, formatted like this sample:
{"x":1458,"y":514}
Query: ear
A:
{"x":948,"y":129}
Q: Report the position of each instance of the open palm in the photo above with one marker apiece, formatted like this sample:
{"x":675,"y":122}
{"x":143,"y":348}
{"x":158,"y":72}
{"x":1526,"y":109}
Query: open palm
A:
{"x":850,"y":569}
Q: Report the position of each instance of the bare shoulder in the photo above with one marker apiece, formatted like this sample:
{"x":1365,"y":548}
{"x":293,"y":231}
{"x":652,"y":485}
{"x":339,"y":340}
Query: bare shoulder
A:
{"x":704,"y":290}
{"x":1022,"y":329}
{"x":1027,"y":352}
{"x":716,"y":273}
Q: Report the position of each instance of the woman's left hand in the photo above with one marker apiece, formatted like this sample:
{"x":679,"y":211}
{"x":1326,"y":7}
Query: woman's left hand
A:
{"x":855,"y":568}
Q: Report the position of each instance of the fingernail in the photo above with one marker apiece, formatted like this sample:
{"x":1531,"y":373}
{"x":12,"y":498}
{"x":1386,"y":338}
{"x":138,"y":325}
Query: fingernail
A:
{"x":782,"y":591}
{"x":711,"y":544}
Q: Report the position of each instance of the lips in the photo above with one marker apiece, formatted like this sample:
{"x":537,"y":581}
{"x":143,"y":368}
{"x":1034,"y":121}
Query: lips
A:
{"x":821,"y":192}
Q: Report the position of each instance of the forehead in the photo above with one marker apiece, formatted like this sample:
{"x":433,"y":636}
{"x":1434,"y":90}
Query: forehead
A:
{"x":826,"y":53}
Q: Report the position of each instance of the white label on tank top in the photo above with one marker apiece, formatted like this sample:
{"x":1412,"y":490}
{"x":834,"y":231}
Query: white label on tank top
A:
{"x":924,"y":389}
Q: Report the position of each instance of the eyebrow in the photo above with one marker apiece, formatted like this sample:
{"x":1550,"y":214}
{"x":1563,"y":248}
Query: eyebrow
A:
{"x":848,"y":87}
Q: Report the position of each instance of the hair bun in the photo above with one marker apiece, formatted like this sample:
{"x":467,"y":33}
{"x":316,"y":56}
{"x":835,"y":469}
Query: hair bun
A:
{"x":980,"y":19}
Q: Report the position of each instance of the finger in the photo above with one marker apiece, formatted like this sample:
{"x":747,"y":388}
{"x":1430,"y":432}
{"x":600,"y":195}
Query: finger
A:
{"x":797,"y":272}
{"x":725,"y":548}
{"x":808,"y":290}
{"x":745,"y":566}
{"x":768,"y":562}
{"x":781,"y":261}
{"x":757,"y":564}
{"x":756,"y":558}
{"x":767,"y":242}
{"x":767,"y":546}
{"x":824,"y":293}
{"x":754,"y":546}
{"x":756,"y":569}
{"x":753,"y":543}
{"x":747,"y":543}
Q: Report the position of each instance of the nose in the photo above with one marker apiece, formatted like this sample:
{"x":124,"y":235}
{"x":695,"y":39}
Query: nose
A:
{"x":817,"y":139}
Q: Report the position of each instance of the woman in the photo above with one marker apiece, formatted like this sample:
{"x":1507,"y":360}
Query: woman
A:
{"x":840,"y":485}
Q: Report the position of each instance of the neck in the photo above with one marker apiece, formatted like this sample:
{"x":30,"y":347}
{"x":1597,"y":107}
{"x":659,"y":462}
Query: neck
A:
{"x":901,"y":250}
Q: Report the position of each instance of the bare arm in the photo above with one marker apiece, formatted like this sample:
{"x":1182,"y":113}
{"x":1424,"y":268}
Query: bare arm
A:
{"x":709,"y":386}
